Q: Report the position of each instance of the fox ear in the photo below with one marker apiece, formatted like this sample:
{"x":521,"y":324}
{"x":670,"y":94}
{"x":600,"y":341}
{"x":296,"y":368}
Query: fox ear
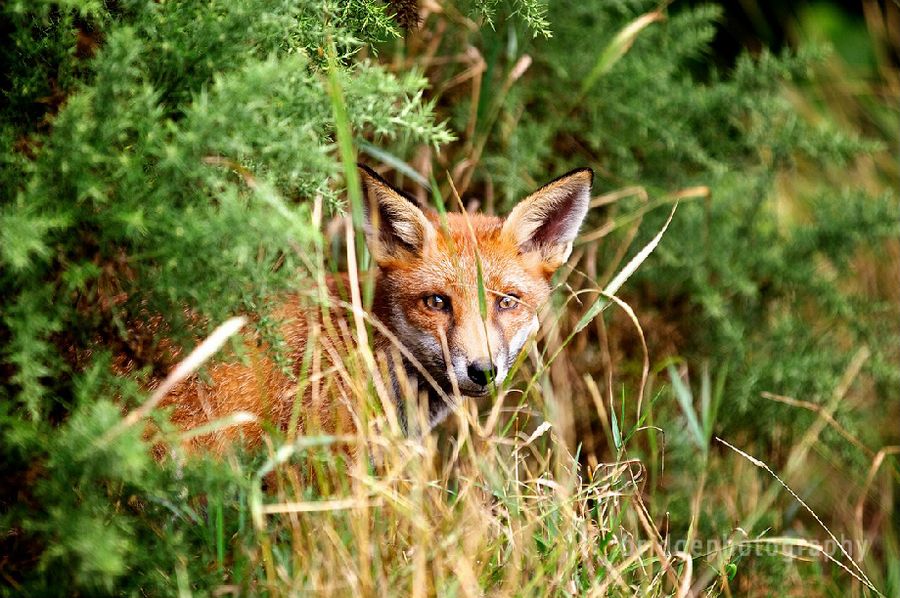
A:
{"x":547,"y":221}
{"x":396,"y":228}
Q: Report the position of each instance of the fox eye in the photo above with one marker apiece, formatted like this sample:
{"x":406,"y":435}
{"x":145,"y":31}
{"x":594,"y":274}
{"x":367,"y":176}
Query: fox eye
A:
{"x":508,"y":302}
{"x":437,"y":302}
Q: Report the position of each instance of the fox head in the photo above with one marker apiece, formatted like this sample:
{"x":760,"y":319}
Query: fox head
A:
{"x":428,"y":289}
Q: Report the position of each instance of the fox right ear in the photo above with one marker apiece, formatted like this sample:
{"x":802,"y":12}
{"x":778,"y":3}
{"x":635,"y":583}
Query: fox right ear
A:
{"x":396,"y":228}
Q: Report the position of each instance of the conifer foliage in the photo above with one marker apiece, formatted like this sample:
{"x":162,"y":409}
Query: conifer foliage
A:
{"x":160,"y":163}
{"x":156,"y":155}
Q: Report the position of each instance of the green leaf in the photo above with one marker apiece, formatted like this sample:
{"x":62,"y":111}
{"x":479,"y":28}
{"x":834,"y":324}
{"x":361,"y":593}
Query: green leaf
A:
{"x":731,"y":571}
{"x":616,"y":432}
{"x":686,"y":401}
{"x":618,"y":47}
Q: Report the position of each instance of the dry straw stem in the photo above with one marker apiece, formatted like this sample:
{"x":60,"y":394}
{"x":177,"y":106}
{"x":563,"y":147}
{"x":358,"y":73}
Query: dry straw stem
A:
{"x":684,"y":589}
{"x":798,"y":453}
{"x":861,"y":576}
{"x":816,"y":408}
{"x":238,"y":418}
{"x":185,"y":368}
{"x":645,"y":352}
{"x":474,"y":148}
{"x":317,"y":506}
{"x":787,"y":542}
{"x":618,"y":47}
{"x":870,"y":478}
{"x":610,"y":225}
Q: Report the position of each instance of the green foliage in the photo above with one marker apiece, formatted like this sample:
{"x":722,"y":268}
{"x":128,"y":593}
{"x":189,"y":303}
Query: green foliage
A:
{"x":532,"y":13}
{"x":175,"y":166}
{"x":744,"y":270}
{"x":41,"y":56}
{"x":159,"y":162}
{"x":179,"y":99}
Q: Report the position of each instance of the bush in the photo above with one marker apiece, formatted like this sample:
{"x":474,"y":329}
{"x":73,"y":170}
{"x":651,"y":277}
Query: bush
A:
{"x":161,"y":166}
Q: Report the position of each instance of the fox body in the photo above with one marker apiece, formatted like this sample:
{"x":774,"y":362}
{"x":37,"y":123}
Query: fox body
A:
{"x":427,"y":300}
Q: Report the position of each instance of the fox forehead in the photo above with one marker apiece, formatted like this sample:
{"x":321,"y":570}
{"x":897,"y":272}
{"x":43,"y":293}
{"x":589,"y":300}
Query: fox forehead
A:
{"x":449,"y":262}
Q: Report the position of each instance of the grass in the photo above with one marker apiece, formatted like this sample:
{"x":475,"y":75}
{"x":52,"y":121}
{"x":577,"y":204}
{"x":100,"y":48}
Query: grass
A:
{"x":502,"y":502}
{"x":517,"y":498}
{"x":497,"y":504}
{"x":601,"y":468}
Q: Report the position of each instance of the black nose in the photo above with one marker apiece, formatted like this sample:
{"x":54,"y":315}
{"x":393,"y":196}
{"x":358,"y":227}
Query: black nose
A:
{"x":481,"y":372}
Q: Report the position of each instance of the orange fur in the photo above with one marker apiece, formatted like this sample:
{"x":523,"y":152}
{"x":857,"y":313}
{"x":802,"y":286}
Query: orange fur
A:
{"x":418,"y":256}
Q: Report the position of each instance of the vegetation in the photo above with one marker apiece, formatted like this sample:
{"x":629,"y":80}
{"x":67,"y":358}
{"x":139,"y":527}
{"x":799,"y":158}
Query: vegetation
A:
{"x":725,"y":425}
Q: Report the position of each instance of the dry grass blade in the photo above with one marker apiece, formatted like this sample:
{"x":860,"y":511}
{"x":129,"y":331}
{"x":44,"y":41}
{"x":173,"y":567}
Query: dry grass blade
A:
{"x":816,"y":408}
{"x":798,"y":543}
{"x":185,"y":368}
{"x":630,"y":268}
{"x":684,"y":588}
{"x":870,"y":478}
{"x":645,"y":352}
{"x":318,"y":506}
{"x":239,"y":418}
{"x":862,"y":576}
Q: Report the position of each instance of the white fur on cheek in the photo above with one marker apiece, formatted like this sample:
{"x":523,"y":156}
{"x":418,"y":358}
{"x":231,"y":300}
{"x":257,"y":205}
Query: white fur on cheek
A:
{"x":460,"y":368}
{"x":506,"y":358}
{"x":519,"y":339}
{"x":502,"y":364}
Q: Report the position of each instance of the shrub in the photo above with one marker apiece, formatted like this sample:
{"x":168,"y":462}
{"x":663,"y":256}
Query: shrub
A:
{"x":166,"y":164}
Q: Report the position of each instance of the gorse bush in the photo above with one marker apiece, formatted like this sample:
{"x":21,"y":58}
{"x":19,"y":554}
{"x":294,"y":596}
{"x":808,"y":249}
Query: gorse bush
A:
{"x":179,"y":99}
{"x":170,"y":178}
{"x":743,"y":270}
{"x":165,"y":165}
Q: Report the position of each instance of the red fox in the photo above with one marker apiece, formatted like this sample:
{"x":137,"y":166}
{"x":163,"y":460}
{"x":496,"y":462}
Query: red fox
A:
{"x":426,"y":296}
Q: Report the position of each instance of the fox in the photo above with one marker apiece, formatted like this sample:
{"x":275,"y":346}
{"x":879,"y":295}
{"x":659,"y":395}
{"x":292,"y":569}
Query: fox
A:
{"x":433,"y":336}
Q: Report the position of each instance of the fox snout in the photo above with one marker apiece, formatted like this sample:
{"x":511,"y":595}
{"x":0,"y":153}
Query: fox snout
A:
{"x":481,"y":372}
{"x":474,"y":377}
{"x":487,"y":351}
{"x":478,"y":350}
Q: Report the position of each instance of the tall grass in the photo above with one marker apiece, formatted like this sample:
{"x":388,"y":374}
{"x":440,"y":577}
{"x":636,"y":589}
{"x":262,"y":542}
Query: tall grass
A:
{"x":514,"y":498}
{"x":497,"y":504}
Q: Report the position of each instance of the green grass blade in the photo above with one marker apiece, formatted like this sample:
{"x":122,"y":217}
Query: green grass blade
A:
{"x":686,"y":401}
{"x":482,"y":298}
{"x":616,"y":432}
{"x":344,"y":134}
{"x":618,"y":47}
{"x":392,"y":161}
{"x":706,"y":402}
{"x":220,"y":535}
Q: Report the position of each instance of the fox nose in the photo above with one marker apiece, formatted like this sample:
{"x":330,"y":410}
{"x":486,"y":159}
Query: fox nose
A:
{"x":481,"y":372}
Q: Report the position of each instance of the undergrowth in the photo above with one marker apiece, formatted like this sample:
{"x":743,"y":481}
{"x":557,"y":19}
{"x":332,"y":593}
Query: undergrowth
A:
{"x":710,"y":415}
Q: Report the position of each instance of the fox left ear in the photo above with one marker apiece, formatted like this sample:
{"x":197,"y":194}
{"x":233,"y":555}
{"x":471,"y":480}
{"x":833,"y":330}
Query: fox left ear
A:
{"x":547,"y":221}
